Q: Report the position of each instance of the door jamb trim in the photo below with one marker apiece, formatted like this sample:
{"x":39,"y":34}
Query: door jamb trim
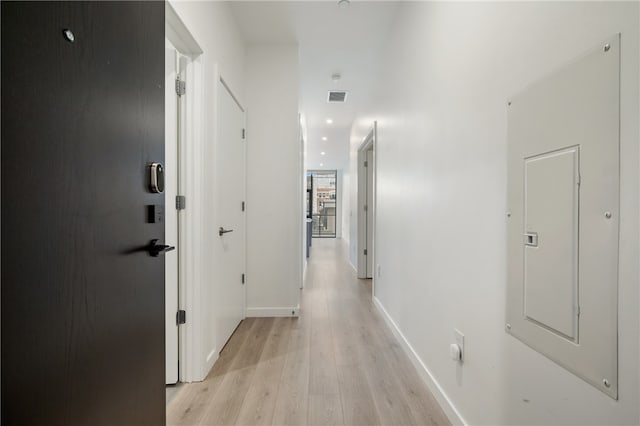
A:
{"x":370,"y":141}
{"x":190,"y":338}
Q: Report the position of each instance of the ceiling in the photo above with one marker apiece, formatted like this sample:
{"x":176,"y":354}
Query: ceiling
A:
{"x":331,"y":40}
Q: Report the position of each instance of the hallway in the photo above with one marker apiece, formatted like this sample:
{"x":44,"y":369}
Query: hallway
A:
{"x":338,"y":363}
{"x":477,"y":161}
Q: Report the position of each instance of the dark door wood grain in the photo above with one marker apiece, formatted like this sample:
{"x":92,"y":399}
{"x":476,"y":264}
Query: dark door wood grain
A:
{"x":82,"y":308}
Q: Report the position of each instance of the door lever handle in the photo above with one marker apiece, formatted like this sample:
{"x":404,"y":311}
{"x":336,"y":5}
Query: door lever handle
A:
{"x":222,"y":231}
{"x":155,"y":249}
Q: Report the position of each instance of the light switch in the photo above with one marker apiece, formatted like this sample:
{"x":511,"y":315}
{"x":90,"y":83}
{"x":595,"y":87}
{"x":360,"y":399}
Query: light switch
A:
{"x":459,"y":338}
{"x":455,"y":352}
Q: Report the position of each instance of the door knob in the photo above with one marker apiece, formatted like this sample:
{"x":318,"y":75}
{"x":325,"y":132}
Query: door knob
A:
{"x":155,"y":249}
{"x":222,"y":231}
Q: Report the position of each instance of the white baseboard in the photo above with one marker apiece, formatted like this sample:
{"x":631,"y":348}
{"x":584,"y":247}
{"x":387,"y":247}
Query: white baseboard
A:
{"x":211,"y":359}
{"x":304,"y":274}
{"x":352,"y":267}
{"x":273,"y":312}
{"x":445,"y":402}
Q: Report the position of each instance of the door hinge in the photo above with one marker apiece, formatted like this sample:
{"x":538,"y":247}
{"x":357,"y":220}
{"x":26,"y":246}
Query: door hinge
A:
{"x":181,"y":87}
{"x":243,"y":206}
{"x":365,"y":207}
{"x":242,"y":278}
{"x":181,"y":202}
{"x":181,"y":317}
{"x":366,"y":164}
{"x":365,"y":252}
{"x":244,"y":133}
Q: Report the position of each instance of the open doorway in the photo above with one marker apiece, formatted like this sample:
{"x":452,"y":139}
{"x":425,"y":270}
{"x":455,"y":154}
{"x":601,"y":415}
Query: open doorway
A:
{"x":366,"y":205}
{"x":322,"y":190}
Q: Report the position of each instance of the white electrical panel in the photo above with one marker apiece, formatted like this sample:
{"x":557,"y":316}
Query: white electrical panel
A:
{"x":563,"y":205}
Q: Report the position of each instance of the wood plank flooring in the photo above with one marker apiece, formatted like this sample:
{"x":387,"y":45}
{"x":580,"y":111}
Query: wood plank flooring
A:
{"x":337,"y":364}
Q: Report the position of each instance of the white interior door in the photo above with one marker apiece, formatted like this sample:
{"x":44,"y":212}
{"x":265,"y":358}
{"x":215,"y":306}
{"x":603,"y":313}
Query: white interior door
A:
{"x":369,"y":213}
{"x":230,"y":177}
{"x":171,"y":215}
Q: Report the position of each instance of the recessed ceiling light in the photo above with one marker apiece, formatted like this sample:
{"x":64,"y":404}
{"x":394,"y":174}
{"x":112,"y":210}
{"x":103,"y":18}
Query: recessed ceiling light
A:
{"x":324,"y":138}
{"x":321,"y":164}
{"x":335,"y":77}
{"x":322,"y":153}
{"x":344,"y":3}
{"x":329,"y":121}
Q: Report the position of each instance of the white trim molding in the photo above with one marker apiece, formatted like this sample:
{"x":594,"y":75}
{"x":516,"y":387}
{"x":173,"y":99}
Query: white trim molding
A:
{"x":211,"y":359}
{"x":369,"y":142}
{"x":443,"y":399}
{"x":192,"y":365}
{"x":293,"y":311}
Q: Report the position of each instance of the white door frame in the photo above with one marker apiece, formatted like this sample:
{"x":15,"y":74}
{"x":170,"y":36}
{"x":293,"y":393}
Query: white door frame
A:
{"x":189,"y":220}
{"x":369,"y":142}
{"x":171,"y":190}
{"x":302,"y":190}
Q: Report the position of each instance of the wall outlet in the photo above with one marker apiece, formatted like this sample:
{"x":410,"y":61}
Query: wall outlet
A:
{"x":459,"y":338}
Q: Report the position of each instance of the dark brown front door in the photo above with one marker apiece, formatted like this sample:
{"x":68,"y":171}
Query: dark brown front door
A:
{"x":82,"y":305}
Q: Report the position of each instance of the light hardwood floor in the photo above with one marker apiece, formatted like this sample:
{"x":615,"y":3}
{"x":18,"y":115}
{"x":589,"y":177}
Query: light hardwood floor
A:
{"x":338,"y":363}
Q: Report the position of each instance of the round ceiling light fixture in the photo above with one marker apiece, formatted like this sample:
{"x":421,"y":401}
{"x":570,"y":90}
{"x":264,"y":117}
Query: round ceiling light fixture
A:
{"x":329,"y":121}
{"x":344,"y":4}
{"x":324,"y":138}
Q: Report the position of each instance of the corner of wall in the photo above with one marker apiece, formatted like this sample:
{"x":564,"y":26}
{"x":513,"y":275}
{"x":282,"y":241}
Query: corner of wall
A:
{"x":273,"y":180}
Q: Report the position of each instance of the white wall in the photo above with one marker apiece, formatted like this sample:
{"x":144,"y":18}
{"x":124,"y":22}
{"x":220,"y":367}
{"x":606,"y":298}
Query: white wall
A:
{"x":339,"y":197}
{"x":213,"y":27}
{"x":345,"y":206}
{"x":274,"y":193}
{"x":441,"y":234}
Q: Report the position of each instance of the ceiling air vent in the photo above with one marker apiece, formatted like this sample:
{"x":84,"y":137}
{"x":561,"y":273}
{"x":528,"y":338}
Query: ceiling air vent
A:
{"x":337,"y":96}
